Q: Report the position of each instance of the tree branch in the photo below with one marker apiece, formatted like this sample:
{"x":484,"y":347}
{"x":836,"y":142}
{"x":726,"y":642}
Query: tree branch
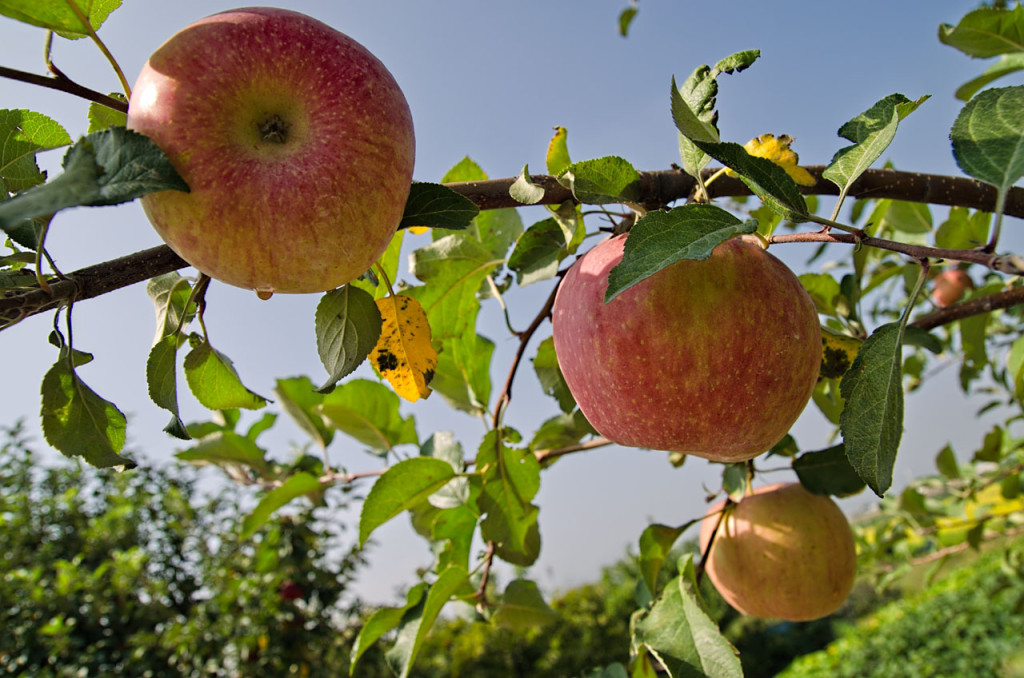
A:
{"x":63,"y":84}
{"x":658,"y":189}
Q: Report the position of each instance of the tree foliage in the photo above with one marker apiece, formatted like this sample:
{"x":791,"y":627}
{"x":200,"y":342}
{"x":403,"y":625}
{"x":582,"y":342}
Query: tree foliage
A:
{"x":418,"y":329}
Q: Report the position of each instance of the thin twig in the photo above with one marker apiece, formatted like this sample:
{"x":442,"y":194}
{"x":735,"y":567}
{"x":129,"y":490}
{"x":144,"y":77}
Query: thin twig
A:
{"x":64,"y":84}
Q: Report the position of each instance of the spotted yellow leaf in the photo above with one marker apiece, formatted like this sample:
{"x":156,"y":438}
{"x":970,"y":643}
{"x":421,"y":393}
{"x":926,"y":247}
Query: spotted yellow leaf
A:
{"x":777,"y":149}
{"x":403,"y":354}
{"x":837,"y":353}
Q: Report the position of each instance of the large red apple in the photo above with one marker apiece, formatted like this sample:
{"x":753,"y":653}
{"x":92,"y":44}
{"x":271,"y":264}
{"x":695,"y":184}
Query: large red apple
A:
{"x":714,"y":358}
{"x":782,"y":553}
{"x":296,"y":142}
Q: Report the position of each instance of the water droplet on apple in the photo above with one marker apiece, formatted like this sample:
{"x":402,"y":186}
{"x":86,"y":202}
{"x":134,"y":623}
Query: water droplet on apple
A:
{"x":264,"y":293}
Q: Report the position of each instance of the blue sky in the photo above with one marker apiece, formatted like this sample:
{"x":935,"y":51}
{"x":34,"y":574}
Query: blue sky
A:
{"x":490,"y":80}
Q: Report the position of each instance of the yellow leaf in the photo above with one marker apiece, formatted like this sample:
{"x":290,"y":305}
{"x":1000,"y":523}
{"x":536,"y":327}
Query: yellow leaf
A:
{"x":418,"y":229}
{"x":837,"y":353}
{"x":777,"y":149}
{"x":403,"y":354}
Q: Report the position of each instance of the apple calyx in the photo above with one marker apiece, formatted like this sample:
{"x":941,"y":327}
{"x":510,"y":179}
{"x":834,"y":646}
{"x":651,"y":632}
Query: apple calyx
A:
{"x":274,"y":129}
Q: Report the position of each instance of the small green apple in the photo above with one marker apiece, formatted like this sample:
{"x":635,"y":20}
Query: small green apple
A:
{"x":713,"y":358}
{"x":296,"y":142}
{"x":781,"y":553}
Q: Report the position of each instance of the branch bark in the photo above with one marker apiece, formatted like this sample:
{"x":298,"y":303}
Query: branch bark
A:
{"x":658,"y":188}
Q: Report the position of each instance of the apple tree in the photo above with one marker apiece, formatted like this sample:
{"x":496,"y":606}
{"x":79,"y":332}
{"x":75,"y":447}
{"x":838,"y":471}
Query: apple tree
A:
{"x":897,"y":297}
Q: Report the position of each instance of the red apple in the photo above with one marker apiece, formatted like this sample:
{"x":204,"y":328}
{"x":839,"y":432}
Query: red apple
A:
{"x":949,"y":287}
{"x":714,"y":358}
{"x":296,"y":142}
{"x":781,"y":553}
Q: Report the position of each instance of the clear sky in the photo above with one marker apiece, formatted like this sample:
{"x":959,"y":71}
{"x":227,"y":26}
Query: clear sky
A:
{"x":490,"y":80}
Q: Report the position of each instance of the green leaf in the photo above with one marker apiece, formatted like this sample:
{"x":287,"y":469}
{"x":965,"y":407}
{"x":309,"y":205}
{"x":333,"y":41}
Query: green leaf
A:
{"x":105,"y":168}
{"x":299,"y":399}
{"x":687,"y":121}
{"x":453,"y":259}
{"x":698,"y":93}
{"x":78,"y":422}
{"x":945,"y":462}
{"x":603,"y":180}
{"x":348,"y":324}
{"x":988,"y":137}
{"x":524,"y":190}
{"x":626,"y":17}
{"x":298,"y":485}
{"x":22,"y":135}
{"x":227,"y":448}
{"x":986,"y":32}
{"x":764,"y":178}
{"x":213,"y":380}
{"x":872,"y":418}
{"x":436,"y":206}
{"x":162,"y":381}
{"x":828,"y":471}
{"x":871,"y":133}
{"x":1007,"y":64}
{"x":406,"y":484}
{"x":417,"y":621}
{"x":368,"y":411}
{"x":557,"y":157}
{"x":681,"y":635}
{"x":538,"y":252}
{"x":170,"y":295}
{"x":381,"y":621}
{"x":496,"y":230}
{"x":545,"y":364}
{"x":511,"y":480}
{"x":463,"y":372}
{"x":57,"y":16}
{"x":523,"y":607}
{"x":656,"y":543}
{"x":101,"y":117}
{"x":456,"y":492}
{"x":660,"y":239}
{"x":561,"y":430}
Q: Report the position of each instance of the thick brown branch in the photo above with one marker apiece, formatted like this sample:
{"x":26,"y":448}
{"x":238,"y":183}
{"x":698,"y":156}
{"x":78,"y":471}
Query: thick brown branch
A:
{"x":658,"y":188}
{"x":63,"y":84}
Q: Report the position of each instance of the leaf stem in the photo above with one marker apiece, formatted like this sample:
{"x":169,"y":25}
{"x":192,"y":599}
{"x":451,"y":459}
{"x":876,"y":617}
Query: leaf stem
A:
{"x":87,"y":25}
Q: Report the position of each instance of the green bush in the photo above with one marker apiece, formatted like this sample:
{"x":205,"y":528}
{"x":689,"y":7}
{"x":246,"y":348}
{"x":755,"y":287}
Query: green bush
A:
{"x":140,"y":574}
{"x":965,"y":625}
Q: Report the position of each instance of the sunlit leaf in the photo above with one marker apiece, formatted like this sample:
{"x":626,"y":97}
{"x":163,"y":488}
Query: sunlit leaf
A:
{"x":368,"y":411}
{"x":524,"y":190}
{"x":298,"y":485}
{"x":550,"y":376}
{"x":226,"y":448}
{"x":681,"y":635}
{"x":603,"y":180}
{"x":57,"y":15}
{"x":102,"y":117}
{"x":417,"y":621}
{"x":22,"y":135}
{"x":214,"y":381}
{"x":522,"y":607}
{"x":764,"y":178}
{"x":78,"y":422}
{"x":987,"y":32}
{"x":403,"y":354}
{"x":557,"y":157}
{"x":1005,"y":65}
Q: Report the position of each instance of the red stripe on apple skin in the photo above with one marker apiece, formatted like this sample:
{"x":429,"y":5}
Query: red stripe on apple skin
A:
{"x":303,"y":203}
{"x":714,"y":358}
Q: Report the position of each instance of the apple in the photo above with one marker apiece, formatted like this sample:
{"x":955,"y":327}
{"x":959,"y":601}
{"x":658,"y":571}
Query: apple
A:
{"x":714,"y":358}
{"x":949,"y":287}
{"x":291,"y":590}
{"x":296,"y":142}
{"x":780,"y":553}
